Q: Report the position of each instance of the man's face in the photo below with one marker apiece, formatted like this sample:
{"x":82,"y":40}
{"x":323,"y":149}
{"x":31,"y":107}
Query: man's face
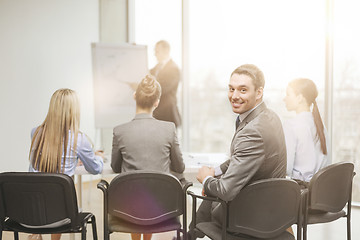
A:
{"x":160,"y":53}
{"x":242,"y":93}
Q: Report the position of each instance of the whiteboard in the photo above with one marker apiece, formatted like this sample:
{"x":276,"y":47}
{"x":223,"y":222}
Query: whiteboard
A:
{"x":115,"y":66}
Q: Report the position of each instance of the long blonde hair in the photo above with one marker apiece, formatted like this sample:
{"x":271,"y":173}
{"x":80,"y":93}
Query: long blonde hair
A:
{"x":50,"y":140}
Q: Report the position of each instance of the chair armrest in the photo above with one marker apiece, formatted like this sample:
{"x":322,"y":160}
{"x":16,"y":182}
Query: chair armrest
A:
{"x":304,"y":207}
{"x":304,"y":198}
{"x":304,"y":192}
{"x":224,"y":206}
{"x":103,"y":185}
{"x":208,"y":198}
{"x":187,"y":185}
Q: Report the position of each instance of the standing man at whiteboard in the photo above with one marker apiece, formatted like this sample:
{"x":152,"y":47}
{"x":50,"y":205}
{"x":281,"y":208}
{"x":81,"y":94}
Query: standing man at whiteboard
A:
{"x":167,"y":74}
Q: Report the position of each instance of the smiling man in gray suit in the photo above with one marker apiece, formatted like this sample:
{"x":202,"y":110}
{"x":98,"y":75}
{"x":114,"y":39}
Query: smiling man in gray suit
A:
{"x":257,"y":150}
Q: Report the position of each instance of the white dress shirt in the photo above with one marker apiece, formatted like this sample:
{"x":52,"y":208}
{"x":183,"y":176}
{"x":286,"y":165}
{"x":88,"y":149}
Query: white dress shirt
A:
{"x":304,"y":154}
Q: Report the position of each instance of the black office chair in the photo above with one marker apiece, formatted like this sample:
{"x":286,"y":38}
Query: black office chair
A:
{"x":41,"y":203}
{"x":262,"y":210}
{"x":329,"y":192}
{"x":144,"y":202}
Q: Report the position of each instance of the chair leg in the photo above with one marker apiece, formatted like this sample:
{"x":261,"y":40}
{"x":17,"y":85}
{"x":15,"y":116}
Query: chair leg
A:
{"x":298,"y":231}
{"x":178,"y":234}
{"x":106,"y":233}
{"x":184,"y":234}
{"x":93,"y":224}
{"x":305,"y":216}
{"x":348,"y":227}
{"x":83,"y":233}
{"x":16,"y":235}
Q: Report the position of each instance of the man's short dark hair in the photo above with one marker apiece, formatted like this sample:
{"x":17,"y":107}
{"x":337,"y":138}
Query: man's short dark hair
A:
{"x":164,"y":45}
{"x":252,"y":71}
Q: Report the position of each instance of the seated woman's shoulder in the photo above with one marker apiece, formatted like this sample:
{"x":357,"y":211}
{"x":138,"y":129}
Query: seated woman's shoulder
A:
{"x":167,"y":124}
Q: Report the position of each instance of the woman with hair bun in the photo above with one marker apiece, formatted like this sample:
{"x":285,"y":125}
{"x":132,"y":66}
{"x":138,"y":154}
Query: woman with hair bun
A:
{"x":305,"y":135}
{"x":146,"y":143}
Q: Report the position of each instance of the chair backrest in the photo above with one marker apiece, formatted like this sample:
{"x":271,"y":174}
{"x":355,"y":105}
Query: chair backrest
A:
{"x":330,"y":188}
{"x":37,"y":199}
{"x":265,"y":208}
{"x":145,"y":197}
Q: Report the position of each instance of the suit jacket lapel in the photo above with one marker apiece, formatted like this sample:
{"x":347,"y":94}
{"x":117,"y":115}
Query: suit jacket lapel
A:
{"x":251,"y":116}
{"x":248,"y":119}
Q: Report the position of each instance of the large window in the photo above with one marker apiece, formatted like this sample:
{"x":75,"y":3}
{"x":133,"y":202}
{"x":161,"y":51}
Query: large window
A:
{"x":286,"y":42}
{"x":158,"y":20}
{"x":286,"y":39}
{"x":346,"y":90}
{"x":225,"y":34}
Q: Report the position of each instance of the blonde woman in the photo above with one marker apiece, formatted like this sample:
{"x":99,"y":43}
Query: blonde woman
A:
{"x":305,"y":135}
{"x":57,"y":144}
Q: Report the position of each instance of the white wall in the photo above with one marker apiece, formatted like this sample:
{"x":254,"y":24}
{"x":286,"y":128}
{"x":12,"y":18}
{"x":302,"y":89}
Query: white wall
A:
{"x":113,"y":21}
{"x":44,"y":45}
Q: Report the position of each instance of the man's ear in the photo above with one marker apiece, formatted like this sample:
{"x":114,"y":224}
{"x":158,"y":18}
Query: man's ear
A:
{"x":259,"y":93}
{"x":134,"y":96}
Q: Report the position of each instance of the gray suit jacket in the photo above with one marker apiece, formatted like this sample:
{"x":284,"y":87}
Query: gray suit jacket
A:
{"x":257,"y":151}
{"x":146,"y":144}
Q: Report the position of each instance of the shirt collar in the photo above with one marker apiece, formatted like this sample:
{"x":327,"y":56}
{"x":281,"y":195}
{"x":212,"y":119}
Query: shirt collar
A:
{"x":143,"y":115}
{"x":165,"y":61}
{"x":242,"y":116}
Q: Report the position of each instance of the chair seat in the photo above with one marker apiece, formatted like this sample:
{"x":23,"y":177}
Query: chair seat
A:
{"x":314,"y":218}
{"x":11,"y":225}
{"x":213,"y":231}
{"x":119,"y":225}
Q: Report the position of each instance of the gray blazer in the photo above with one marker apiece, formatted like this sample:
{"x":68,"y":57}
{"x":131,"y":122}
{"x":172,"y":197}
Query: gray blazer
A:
{"x":146,"y":144}
{"x":257,"y":151}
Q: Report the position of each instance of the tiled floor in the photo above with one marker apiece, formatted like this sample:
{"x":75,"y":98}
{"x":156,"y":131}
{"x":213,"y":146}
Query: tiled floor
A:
{"x":92,"y":202}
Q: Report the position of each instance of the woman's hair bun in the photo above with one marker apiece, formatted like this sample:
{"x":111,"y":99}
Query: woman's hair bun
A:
{"x":148,"y":91}
{"x":148,"y":85}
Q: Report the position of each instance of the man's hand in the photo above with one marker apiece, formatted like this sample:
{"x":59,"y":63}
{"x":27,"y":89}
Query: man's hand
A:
{"x":204,"y":172}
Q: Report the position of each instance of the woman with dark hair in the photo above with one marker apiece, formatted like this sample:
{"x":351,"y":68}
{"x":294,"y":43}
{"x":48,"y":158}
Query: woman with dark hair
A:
{"x":305,"y":135}
{"x":146,"y":143}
